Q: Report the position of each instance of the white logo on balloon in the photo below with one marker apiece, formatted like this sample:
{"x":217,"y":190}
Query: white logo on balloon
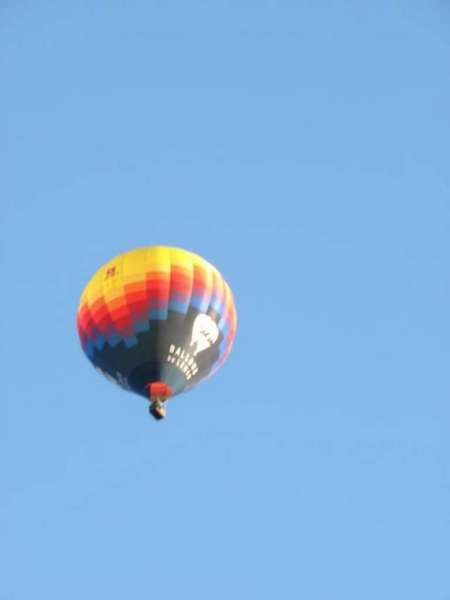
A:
{"x":205,"y":333}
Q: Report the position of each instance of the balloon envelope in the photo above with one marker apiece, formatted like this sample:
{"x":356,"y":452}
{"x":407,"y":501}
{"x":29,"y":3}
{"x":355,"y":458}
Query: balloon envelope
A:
{"x":157,"y":320}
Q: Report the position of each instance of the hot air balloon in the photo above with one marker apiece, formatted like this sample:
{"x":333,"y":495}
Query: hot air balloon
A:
{"x":157,"y":321}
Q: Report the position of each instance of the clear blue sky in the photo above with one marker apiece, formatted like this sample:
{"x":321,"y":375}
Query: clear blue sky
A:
{"x":303,"y":148}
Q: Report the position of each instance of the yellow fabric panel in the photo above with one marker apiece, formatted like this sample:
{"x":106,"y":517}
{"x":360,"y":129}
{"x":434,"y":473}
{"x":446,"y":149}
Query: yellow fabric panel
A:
{"x":132,"y":268}
{"x":158,"y":260}
{"x":181,"y":258}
